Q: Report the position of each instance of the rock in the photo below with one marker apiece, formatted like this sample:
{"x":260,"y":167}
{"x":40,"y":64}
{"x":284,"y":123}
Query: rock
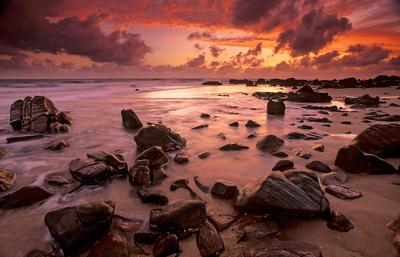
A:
{"x":3,"y":152}
{"x":57,"y":145}
{"x":323,"y":120}
{"x":220,"y":221}
{"x":201,"y":186}
{"x":318,"y":166}
{"x":11,"y":140}
{"x":130,"y":120}
{"x":276,"y":107}
{"x":224,"y":189}
{"x":158,"y":175}
{"x":353,"y":160}
{"x":332,"y":108}
{"x":152,"y":196}
{"x":221,"y":135}
{"x":283,"y":165}
{"x":7,"y":178}
{"x":234,"y":124}
{"x":260,"y":230}
{"x":205,"y":115}
{"x":233,"y":147}
{"x":346,"y":122}
{"x":307,"y":95}
{"x":339,"y":222}
{"x":289,"y":192}
{"x":181,"y":157}
{"x":343,"y":192}
{"x":155,"y":155}
{"x":24,"y":196}
{"x":212,"y":83}
{"x":167,"y":246}
{"x":209,"y":242}
{"x":146,"y":237}
{"x":140,"y":173}
{"x":204,"y":155}
{"x":306,"y":127}
{"x":366,"y":100}
{"x":184,"y":183}
{"x":158,"y":135}
{"x":57,"y":180}
{"x":252,"y":124}
{"x":319,"y":148}
{"x":334,"y":178}
{"x":37,"y":253}
{"x":111,"y":245}
{"x":90,"y":172}
{"x":394,"y":226}
{"x":295,"y":135}
{"x":200,"y":127}
{"x":77,"y":228}
{"x":270,"y":143}
{"x":187,"y":215}
{"x":252,"y":135}
{"x":115,"y":161}
{"x":36,"y":114}
{"x":279,"y":154}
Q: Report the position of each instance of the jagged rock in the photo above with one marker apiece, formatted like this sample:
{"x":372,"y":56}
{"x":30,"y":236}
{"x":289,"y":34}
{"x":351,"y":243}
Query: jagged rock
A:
{"x":270,"y":143}
{"x":152,"y":196}
{"x":307,"y":95}
{"x":290,"y":192}
{"x":366,"y":100}
{"x":140,"y":173}
{"x":115,"y":161}
{"x":209,"y":242}
{"x":334,"y":178}
{"x":279,"y":154}
{"x":234,"y":124}
{"x":338,"y":221}
{"x":90,"y":172}
{"x":181,"y":157}
{"x":204,"y":155}
{"x":167,"y":246}
{"x":319,"y":148}
{"x":77,"y":228}
{"x":111,"y":244}
{"x":220,"y":221}
{"x":7,"y":178}
{"x":276,"y":107}
{"x":343,"y":192}
{"x":57,"y":145}
{"x":205,"y":116}
{"x":178,"y":217}
{"x":233,"y":147}
{"x":252,"y":124}
{"x":318,"y":166}
{"x":155,"y":155}
{"x":24,"y":196}
{"x":37,"y":114}
{"x":224,"y":189}
{"x":130,"y":120}
{"x":283,"y":165}
{"x":158,"y":135}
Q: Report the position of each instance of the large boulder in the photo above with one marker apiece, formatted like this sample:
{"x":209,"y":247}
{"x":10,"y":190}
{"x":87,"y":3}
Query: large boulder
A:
{"x":90,"y":172}
{"x":158,"y":135}
{"x":77,"y":228}
{"x":130,"y":120}
{"x":276,"y":107}
{"x":155,"y":155}
{"x":38,"y":114}
{"x":307,"y":95}
{"x":25,"y":196}
{"x":289,"y":192}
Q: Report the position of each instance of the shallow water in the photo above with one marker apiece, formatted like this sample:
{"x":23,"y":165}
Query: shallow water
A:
{"x":95,"y":109}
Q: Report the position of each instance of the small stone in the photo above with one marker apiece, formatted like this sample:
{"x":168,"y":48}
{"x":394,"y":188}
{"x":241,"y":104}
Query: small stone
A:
{"x":270,"y":143}
{"x":252,"y":124}
{"x":252,"y":135}
{"x":167,"y":246}
{"x":307,"y":127}
{"x":318,"y":166}
{"x":209,"y":242}
{"x":319,"y":148}
{"x":346,"y":122}
{"x":233,"y":147}
{"x":130,"y":120}
{"x":152,"y":196}
{"x":343,"y":192}
{"x":234,"y":124}
{"x":204,"y":155}
{"x":283,"y":165}
{"x":339,"y":222}
{"x":221,"y":221}
{"x":139,"y":175}
{"x":276,"y":107}
{"x":7,"y":178}
{"x":200,"y":126}
{"x":334,"y":178}
{"x":224,"y":189}
{"x":205,"y":116}
{"x":57,"y":180}
{"x":221,"y":135}
{"x":279,"y":154}
{"x":181,"y":157}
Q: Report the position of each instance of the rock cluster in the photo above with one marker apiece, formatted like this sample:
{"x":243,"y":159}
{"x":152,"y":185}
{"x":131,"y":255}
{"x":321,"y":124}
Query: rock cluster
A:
{"x":307,"y":95}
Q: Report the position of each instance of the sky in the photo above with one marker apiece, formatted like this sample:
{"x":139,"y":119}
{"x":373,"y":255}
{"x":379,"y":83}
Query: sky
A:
{"x":305,"y":39}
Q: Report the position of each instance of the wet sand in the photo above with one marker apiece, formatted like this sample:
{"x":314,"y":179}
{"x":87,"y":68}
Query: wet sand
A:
{"x":97,"y":126}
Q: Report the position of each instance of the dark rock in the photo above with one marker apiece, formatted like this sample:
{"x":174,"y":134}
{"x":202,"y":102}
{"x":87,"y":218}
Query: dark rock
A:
{"x":221,"y":135}
{"x":348,"y":83}
{"x":252,"y":124}
{"x":212,"y":83}
{"x":57,"y":180}
{"x":37,"y":253}
{"x":158,"y":135}
{"x":200,"y":126}
{"x":339,"y":222}
{"x":295,"y":135}
{"x":209,"y":242}
{"x":260,"y":230}
{"x":365,"y":100}
{"x":289,"y":192}
{"x":323,"y":120}
{"x":111,"y":244}
{"x":252,"y":135}
{"x":307,"y":95}
{"x":24,"y":196}
{"x":152,"y":196}
{"x":177,"y":217}
{"x":276,"y":107}
{"x":184,"y":183}
{"x":224,"y":189}
{"x":77,"y":228}
{"x":181,"y":157}
{"x":307,"y":127}
{"x":90,"y":172}
{"x":115,"y":161}
{"x":140,"y":173}
{"x":270,"y":143}
{"x":130,"y":120}
{"x":57,"y":145}
{"x":319,"y":148}
{"x":167,"y":246}
{"x":3,"y":152}
{"x":234,"y":124}
{"x":7,"y":178}
{"x":233,"y":147}
{"x":346,"y":122}
{"x":343,"y":192}
{"x":203,"y":188}
{"x":205,"y":116}
{"x":299,"y":152}
{"x":318,"y":166}
{"x":11,"y":140}
{"x":279,"y":154}
{"x":283,"y":165}
{"x":334,"y":178}
{"x":332,"y":108}
{"x":220,"y":221}
{"x":155,"y":155}
{"x":204,"y":155}
{"x":146,"y":237}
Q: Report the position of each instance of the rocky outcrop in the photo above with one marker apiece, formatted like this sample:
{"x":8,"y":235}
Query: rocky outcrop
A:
{"x":90,"y":172}
{"x":307,"y":95}
{"x":115,"y":161}
{"x":158,"y":135}
{"x":77,"y":228}
{"x":289,"y":192}
{"x":233,"y":147}
{"x":365,"y":100}
{"x":23,"y":197}
{"x":38,"y":114}
{"x":277,"y":107}
{"x":130,"y":120}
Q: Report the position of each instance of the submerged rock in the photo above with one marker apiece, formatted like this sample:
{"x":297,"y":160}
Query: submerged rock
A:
{"x":77,"y":228}
{"x":167,"y":246}
{"x":181,"y":157}
{"x":221,"y":221}
{"x":24,"y":196}
{"x":234,"y":124}
{"x":204,"y":155}
{"x":209,"y":242}
{"x":57,"y":145}
{"x":11,"y":140}
{"x":343,"y":192}
{"x":224,"y":189}
{"x":57,"y":180}
{"x":270,"y":143}
{"x":158,"y":135}
{"x":289,"y":192}
{"x":233,"y":147}
{"x":307,"y":95}
{"x":338,"y":221}
{"x":152,"y":196}
{"x":283,"y":165}
{"x":130,"y":120}
{"x":184,"y":183}
{"x":365,"y":100}
{"x":205,"y":115}
{"x":7,"y":178}
{"x":318,"y":166}
{"x":276,"y":107}
{"x":117,"y":162}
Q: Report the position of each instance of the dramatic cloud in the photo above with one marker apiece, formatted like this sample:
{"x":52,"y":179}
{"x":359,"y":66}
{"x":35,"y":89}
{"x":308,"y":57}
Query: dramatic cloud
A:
{"x":198,"y":46}
{"x":215,"y":50}
{"x":325,"y":58}
{"x":199,"y":36}
{"x":197,"y":61}
{"x":316,"y":30}
{"x":362,"y":55}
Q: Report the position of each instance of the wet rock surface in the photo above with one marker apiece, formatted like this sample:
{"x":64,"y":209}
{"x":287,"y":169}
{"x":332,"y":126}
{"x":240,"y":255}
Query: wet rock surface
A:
{"x":155,"y":155}
{"x":338,"y":221}
{"x":224,"y":189}
{"x":209,"y":241}
{"x":130,"y":120}
{"x":111,"y":244}
{"x":90,"y":172}
{"x":22,"y":197}
{"x":283,"y":165}
{"x":343,"y":192}
{"x":7,"y":178}
{"x":307,"y":95}
{"x":166,"y":246}
{"x":252,"y":124}
{"x":181,"y":157}
{"x":334,"y":178}
{"x":365,"y":100}
{"x":277,"y":107}
{"x":57,"y":145}
{"x":270,"y":143}
{"x":152,"y":196}
{"x":318,"y":166}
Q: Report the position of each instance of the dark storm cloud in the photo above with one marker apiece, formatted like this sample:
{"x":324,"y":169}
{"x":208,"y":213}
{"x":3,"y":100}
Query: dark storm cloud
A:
{"x":326,"y":58}
{"x":24,"y":25}
{"x":196,"y":62}
{"x":215,"y":50}
{"x":363,"y":55}
{"x":199,"y":36}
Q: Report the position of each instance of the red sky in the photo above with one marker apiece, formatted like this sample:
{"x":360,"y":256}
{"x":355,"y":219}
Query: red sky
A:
{"x":203,"y":38}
